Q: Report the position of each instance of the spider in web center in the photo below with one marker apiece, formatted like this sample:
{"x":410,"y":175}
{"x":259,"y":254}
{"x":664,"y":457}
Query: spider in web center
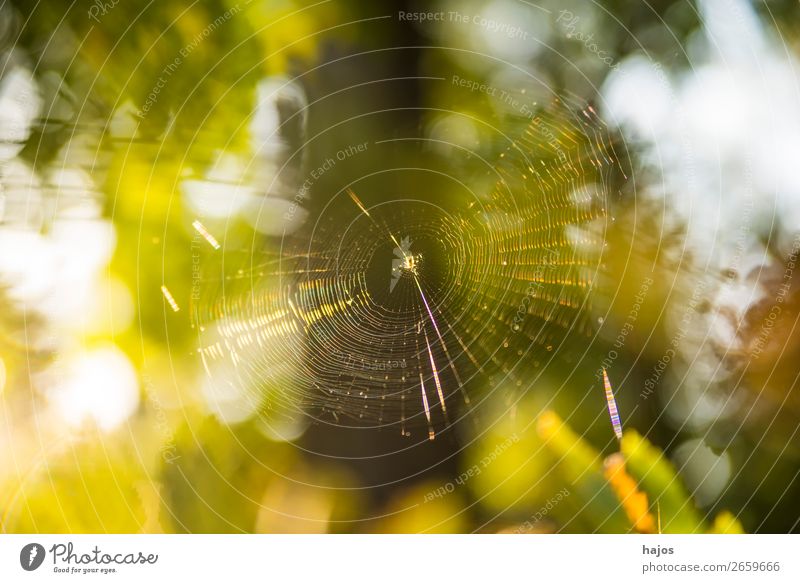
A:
{"x":404,"y":262}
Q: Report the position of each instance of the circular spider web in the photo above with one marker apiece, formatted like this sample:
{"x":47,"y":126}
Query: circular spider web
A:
{"x":407,"y":311}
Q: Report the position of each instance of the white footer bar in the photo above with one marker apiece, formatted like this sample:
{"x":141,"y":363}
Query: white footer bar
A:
{"x":406,"y":558}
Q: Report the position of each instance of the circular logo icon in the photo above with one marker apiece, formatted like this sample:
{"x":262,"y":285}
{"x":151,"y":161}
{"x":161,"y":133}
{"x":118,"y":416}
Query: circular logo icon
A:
{"x":31,"y":556}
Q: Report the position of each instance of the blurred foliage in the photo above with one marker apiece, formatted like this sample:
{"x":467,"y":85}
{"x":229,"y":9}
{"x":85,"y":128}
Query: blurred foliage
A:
{"x":173,"y":467}
{"x":638,"y":487}
{"x":222,"y":479}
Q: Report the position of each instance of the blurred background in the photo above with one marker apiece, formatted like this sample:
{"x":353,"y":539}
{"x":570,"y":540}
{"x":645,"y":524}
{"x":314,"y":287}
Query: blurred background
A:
{"x":215,"y":218}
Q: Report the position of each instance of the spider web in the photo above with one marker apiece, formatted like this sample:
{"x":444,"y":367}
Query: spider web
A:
{"x":405,"y":313}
